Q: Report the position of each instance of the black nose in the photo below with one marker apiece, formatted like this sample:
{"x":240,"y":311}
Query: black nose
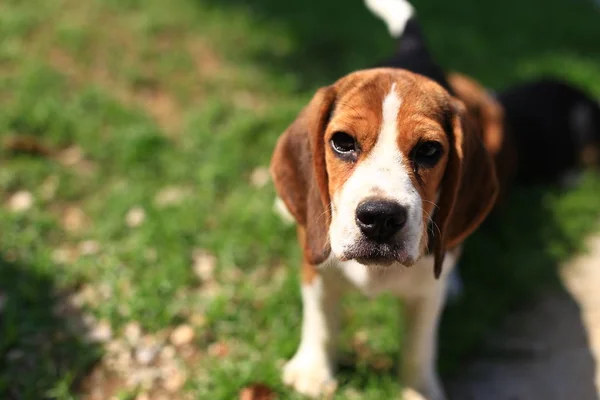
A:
{"x":380,"y":219}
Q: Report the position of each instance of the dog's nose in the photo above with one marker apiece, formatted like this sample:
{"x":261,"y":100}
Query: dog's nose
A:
{"x":380,"y":219}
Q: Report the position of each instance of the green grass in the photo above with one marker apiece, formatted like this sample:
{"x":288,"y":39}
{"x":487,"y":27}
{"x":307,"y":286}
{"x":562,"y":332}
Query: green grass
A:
{"x":193,"y":95}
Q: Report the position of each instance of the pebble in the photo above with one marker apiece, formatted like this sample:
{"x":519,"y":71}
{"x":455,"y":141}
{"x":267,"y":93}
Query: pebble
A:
{"x":101,"y":333}
{"x":89,"y":247}
{"x":133,"y":333}
{"x":174,"y":379}
{"x":135,"y":217}
{"x":182,"y":335}
{"x":168,"y":196}
{"x":20,"y":201}
{"x":204,"y":264}
{"x":167,"y":353}
{"x":146,"y":351}
{"x":218,"y":349}
{"x":74,"y":219}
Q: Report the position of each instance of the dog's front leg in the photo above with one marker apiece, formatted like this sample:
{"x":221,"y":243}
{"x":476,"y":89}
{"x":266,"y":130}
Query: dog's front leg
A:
{"x":310,"y":371}
{"x":422,"y":315}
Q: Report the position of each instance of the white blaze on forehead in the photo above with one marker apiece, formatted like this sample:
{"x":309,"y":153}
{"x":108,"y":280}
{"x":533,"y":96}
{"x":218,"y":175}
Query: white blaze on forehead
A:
{"x":389,"y":125}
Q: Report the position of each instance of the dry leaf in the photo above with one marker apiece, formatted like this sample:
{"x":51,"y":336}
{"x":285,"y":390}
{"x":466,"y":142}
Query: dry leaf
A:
{"x":257,"y":391}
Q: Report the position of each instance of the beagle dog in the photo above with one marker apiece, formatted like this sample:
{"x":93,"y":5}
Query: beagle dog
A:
{"x":385,"y":175}
{"x":385,"y":178}
{"x":386,"y":172}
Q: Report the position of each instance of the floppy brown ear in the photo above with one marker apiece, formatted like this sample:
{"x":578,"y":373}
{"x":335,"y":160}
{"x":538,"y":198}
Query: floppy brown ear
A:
{"x":300,"y":176}
{"x":485,"y":111}
{"x":469,"y":187}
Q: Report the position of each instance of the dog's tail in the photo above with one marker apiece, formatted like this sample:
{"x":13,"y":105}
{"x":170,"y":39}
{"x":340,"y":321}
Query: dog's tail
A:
{"x":411,"y":52}
{"x":395,"y":14}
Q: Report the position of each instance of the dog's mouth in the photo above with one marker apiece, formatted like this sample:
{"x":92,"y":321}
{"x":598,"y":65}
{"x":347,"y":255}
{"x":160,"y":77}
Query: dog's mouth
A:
{"x":370,"y":253}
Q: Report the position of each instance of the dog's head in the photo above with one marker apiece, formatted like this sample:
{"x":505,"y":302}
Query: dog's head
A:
{"x":374,"y":162}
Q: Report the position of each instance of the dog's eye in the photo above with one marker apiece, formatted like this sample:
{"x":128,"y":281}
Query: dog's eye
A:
{"x":427,"y":154}
{"x":343,"y":144}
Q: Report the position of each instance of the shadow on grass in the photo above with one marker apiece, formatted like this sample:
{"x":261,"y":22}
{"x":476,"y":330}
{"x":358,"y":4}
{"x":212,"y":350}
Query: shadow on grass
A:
{"x":488,"y":40}
{"x":41,"y":353}
{"x":512,"y":260}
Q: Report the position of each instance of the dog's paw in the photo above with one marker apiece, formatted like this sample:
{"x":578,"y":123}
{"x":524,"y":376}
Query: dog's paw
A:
{"x":310,"y":375}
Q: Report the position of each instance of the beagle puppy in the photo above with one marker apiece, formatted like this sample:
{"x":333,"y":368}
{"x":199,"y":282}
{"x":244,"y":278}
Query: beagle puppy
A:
{"x":386,"y":172}
{"x":385,"y":175}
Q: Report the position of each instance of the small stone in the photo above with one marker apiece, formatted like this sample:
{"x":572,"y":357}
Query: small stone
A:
{"x":169,"y":196}
{"x":260,"y":177}
{"x":204,"y":264}
{"x":146,"y":350}
{"x":119,"y":357}
{"x":182,"y":335}
{"x":20,"y":201}
{"x":142,"y":377}
{"x":65,"y":255}
{"x":74,"y":219}
{"x":101,"y":333}
{"x":135,"y":217}
{"x":168,"y":353}
{"x":71,"y":156}
{"x":49,"y":187}
{"x":174,"y":379}
{"x":89,"y":247}
{"x":198,"y":320}
{"x":133,"y":333}
{"x":116,"y":346}
{"x":210,"y":290}
{"x":105,"y":291}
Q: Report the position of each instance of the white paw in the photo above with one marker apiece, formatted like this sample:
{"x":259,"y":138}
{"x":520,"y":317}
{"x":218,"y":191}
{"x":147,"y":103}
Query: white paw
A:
{"x":310,"y":375}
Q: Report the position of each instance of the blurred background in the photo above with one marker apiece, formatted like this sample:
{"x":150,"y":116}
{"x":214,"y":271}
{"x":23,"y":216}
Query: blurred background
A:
{"x":139,"y":254}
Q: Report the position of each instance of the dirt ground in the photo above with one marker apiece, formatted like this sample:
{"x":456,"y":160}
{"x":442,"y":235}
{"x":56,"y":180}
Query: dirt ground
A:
{"x":548,"y":351}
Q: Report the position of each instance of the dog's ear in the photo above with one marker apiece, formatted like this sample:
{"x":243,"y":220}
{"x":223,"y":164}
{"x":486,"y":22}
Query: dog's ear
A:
{"x":300,"y":175}
{"x":469,"y":187}
{"x":485,"y":111}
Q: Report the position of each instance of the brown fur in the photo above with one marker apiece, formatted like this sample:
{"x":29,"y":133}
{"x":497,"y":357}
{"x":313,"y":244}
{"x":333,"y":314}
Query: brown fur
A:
{"x":486,"y":116}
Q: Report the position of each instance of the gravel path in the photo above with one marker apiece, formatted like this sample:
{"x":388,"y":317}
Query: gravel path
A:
{"x":547,"y":351}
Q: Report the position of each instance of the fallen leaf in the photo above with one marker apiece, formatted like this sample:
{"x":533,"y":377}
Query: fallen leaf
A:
{"x":26,"y":144}
{"x":257,"y":391}
{"x":218,"y":349}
